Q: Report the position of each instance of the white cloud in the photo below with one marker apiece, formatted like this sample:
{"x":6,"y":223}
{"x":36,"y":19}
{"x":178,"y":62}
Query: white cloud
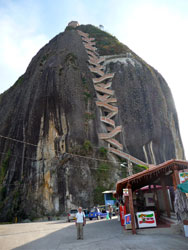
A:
{"x":19,"y":40}
{"x":158,"y":34}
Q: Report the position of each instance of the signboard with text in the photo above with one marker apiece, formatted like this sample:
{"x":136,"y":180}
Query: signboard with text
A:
{"x":146,"y":219}
{"x":183,"y":177}
{"x":125,"y":192}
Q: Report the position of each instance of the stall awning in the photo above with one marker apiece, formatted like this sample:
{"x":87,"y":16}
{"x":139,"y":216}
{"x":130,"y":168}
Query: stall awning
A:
{"x":183,"y":187}
{"x":150,"y":176}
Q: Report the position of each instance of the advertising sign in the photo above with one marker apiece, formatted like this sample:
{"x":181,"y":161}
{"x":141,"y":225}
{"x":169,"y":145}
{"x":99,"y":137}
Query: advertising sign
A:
{"x":125,"y":192}
{"x":146,"y":219}
{"x":183,"y":177}
{"x":127,"y":219}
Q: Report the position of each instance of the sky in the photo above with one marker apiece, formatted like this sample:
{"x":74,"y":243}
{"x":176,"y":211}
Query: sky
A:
{"x":156,"y":30}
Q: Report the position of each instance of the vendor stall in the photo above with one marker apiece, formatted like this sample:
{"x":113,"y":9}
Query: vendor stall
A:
{"x":146,"y":205}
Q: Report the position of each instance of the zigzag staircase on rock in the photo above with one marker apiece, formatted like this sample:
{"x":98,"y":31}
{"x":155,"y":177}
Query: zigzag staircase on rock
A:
{"x":106,"y":100}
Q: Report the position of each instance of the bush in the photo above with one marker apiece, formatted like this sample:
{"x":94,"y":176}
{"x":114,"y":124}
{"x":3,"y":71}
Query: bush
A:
{"x":4,"y":166}
{"x":103,"y":151}
{"x":69,"y":28}
{"x":87,"y":146}
{"x":3,"y":192}
{"x":137,"y":169}
{"x":89,"y":116}
{"x":98,"y":196}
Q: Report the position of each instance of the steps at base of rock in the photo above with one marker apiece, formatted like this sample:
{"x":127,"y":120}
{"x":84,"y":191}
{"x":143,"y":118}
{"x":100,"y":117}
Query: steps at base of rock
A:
{"x":171,"y":220}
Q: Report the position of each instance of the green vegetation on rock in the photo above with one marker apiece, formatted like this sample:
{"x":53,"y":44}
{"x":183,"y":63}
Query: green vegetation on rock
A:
{"x":103,"y":152}
{"x":89,"y":116}
{"x":4,"y":166}
{"x":44,"y":59}
{"x":69,"y":28}
{"x":105,"y":42}
{"x":137,"y":169}
{"x":108,"y":44}
{"x":19,"y":81}
{"x":98,"y":196}
{"x":3,"y":171}
{"x":87,"y":146}
{"x":71,"y":59}
{"x":103,"y":179}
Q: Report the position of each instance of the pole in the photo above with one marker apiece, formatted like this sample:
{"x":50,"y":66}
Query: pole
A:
{"x":131,"y":209}
{"x":165,"y":195}
{"x":130,"y":167}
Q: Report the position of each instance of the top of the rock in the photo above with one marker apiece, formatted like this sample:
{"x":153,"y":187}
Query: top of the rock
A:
{"x":73,"y":24}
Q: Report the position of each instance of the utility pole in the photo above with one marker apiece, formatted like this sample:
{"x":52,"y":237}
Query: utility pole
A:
{"x":129,"y":165}
{"x":130,"y":168}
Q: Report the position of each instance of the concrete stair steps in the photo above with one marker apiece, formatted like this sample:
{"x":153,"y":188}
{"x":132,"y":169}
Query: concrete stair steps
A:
{"x":107,"y":106}
{"x":88,"y":47}
{"x":82,"y":34}
{"x":115,"y":143}
{"x":104,"y":98}
{"x":111,"y":114}
{"x":127,"y":156}
{"x":105,"y":85}
{"x":171,"y":220}
{"x":113,"y":133}
{"x":108,"y":121}
{"x":87,"y":39}
{"x":97,"y":61}
{"x":103,"y":78}
{"x":105,"y":91}
{"x":93,"y":55}
{"x":97,"y":71}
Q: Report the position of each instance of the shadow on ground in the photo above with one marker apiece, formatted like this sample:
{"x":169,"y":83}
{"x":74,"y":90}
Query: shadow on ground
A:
{"x":106,"y":235}
{"x":65,"y":238}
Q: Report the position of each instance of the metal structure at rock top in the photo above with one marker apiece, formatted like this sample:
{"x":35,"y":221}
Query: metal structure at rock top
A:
{"x":106,"y":100}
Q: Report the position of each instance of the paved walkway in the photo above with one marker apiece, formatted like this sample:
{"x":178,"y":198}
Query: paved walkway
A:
{"x":104,"y":235}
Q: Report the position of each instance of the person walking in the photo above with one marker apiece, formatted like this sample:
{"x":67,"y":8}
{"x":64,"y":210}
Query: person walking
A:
{"x":110,"y":212}
{"x":80,"y":222}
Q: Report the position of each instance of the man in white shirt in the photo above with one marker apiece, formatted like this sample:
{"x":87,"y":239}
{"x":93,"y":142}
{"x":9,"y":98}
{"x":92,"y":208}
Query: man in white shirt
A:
{"x":80,"y":222}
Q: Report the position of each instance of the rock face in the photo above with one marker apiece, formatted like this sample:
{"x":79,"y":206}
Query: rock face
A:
{"x":52,"y":108}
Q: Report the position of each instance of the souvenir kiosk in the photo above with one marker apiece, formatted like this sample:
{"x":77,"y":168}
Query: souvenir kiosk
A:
{"x":162,"y":176}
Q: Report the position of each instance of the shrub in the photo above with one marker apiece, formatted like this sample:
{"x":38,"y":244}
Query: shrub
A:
{"x":103,"y":151}
{"x":87,"y":146}
{"x":4,"y":166}
{"x":44,"y":58}
{"x":69,"y":28}
{"x":89,"y":116}
{"x":98,"y":196}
